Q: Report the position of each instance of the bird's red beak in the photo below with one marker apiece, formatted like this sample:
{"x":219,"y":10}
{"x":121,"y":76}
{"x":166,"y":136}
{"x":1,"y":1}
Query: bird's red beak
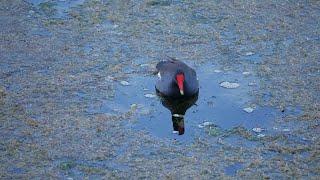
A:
{"x":180,"y":80}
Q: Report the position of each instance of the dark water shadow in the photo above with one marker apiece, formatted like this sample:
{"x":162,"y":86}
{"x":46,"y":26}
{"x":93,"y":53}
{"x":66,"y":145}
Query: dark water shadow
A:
{"x":178,"y":108}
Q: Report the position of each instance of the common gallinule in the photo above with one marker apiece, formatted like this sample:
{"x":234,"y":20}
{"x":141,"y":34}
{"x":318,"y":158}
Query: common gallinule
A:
{"x":176,"y":79}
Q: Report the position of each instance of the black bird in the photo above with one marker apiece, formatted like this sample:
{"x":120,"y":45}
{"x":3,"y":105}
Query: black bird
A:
{"x":178,"y":88}
{"x":176,"y":79}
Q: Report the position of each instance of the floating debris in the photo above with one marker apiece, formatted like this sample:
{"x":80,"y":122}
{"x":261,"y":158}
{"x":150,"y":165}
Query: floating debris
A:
{"x":125,"y":83}
{"x":149,"y":95}
{"x":257,"y":130}
{"x":286,"y":130}
{"x":144,"y":65}
{"x":246,"y":73}
{"x":205,"y":124}
{"x":220,"y":141}
{"x":133,"y":106}
{"x":261,"y":135}
{"x":249,"y":53}
{"x":229,"y":85}
{"x":201,"y":126}
{"x":248,"y":109}
{"x":217,"y":71}
{"x":111,"y":78}
{"x":252,"y":84}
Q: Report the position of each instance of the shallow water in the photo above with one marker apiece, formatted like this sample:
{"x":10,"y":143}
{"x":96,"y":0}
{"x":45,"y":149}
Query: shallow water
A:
{"x":77,"y":96}
{"x":61,"y":8}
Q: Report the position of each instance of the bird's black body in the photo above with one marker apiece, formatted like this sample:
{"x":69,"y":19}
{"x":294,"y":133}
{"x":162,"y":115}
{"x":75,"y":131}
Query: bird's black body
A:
{"x":167,"y":85}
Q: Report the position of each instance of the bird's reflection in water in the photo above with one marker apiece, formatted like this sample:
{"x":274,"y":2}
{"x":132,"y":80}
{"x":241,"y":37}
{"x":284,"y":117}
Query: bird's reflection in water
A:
{"x":178,"y":108}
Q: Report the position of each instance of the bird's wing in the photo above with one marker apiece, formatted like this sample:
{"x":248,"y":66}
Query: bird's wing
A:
{"x":169,"y":65}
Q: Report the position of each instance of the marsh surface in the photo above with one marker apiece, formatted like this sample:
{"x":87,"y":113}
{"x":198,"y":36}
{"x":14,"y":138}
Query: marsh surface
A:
{"x":77,"y":95}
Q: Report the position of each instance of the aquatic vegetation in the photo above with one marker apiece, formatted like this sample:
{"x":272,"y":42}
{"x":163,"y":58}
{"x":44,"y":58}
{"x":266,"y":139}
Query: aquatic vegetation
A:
{"x":67,"y":165}
{"x":48,"y":8}
{"x":159,"y":2}
{"x":77,"y":89}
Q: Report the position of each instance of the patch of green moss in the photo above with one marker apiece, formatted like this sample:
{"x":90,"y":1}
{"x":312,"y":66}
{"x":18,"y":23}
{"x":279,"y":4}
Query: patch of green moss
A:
{"x":48,"y":8}
{"x":91,"y":170}
{"x":159,"y":3}
{"x":241,"y":131}
{"x":67,"y":165}
{"x":214,"y":131}
{"x":13,"y":147}
{"x":53,"y":22}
